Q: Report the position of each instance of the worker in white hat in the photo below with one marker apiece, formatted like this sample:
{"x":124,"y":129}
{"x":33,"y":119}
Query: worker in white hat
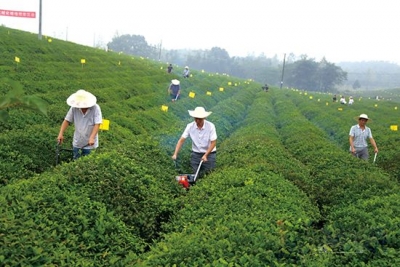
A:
{"x":358,"y":136}
{"x":186,"y":72}
{"x":86,"y":115}
{"x":174,"y":89}
{"x":204,"y":141}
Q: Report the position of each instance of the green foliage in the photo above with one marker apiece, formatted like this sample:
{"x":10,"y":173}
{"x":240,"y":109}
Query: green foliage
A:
{"x":48,"y":221}
{"x":306,"y":74}
{"x":285,"y":191}
{"x":376,"y":225}
{"x":131,"y":181}
{"x":356,"y":84}
{"x":15,"y":98}
{"x":250,"y":219}
{"x":132,"y":45}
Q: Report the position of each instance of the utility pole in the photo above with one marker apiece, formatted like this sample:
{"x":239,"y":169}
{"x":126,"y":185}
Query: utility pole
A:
{"x":283,"y":69}
{"x":40,"y":20}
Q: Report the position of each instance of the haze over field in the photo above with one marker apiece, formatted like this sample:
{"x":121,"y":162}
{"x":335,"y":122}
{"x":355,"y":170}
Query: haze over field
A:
{"x":356,"y":30}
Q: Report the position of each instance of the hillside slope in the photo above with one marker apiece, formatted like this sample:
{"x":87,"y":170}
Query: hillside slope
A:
{"x":285,"y":191}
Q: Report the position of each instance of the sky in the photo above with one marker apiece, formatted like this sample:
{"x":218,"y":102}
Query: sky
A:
{"x":339,"y":30}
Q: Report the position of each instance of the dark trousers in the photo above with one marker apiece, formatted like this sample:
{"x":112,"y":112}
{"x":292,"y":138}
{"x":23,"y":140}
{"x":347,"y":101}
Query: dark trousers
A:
{"x":174,"y":96}
{"x":362,"y":153}
{"x":206,"y":166}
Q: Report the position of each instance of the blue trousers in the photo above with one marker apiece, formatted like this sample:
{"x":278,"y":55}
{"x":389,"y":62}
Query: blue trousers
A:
{"x":78,"y":152}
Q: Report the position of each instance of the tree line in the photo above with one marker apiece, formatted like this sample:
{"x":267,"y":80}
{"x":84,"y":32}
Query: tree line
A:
{"x":298,"y":72}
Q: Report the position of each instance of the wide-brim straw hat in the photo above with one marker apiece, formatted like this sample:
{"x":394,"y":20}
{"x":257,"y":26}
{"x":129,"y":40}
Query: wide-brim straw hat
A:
{"x":81,"y":99}
{"x":175,"y":82}
{"x":199,"y":112}
{"x":362,"y":116}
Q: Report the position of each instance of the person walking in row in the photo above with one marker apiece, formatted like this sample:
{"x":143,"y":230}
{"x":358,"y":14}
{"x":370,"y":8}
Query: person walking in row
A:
{"x":358,"y":136}
{"x":186,"y":72}
{"x":174,"y":89}
{"x":204,"y":140}
{"x":87,"y":117}
{"x":170,"y":68}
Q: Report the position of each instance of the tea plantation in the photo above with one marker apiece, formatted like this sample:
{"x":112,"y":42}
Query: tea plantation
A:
{"x":286,"y":191}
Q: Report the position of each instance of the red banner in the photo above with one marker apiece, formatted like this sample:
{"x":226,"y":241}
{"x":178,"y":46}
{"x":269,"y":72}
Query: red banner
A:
{"x":21,"y":14}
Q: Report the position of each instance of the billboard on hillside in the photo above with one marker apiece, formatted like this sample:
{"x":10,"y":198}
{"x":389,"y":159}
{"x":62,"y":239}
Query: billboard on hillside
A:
{"x":20,"y":14}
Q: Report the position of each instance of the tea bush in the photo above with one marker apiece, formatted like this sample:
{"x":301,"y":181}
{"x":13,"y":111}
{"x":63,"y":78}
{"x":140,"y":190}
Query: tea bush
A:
{"x":49,"y":221}
{"x":285,"y":191}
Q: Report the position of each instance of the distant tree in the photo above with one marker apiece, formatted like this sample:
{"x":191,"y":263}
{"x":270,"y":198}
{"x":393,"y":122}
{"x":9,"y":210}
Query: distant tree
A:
{"x":291,"y":58}
{"x":133,"y":45}
{"x":302,"y":74}
{"x":258,"y":68}
{"x":220,"y":59}
{"x":356,"y":84}
{"x":197,"y":60}
{"x":373,"y":74}
{"x":174,"y":56}
{"x":214,"y":60}
{"x":237,"y":68}
{"x":330,"y":75}
{"x":307,"y":74}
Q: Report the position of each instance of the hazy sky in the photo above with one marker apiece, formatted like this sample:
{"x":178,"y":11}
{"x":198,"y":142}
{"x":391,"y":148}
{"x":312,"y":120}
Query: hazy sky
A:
{"x":340,"y":30}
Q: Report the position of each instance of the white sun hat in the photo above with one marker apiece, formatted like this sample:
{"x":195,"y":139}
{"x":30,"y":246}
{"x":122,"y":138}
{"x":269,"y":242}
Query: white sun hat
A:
{"x":81,"y":99}
{"x":199,"y":112}
{"x":175,"y":82}
{"x":363,"y":116}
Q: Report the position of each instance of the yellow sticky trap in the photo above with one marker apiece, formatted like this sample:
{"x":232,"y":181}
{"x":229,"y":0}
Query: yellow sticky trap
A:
{"x":83,"y":61}
{"x":164,"y":108}
{"x":327,"y":103}
{"x":221,"y":89}
{"x":393,"y":127}
{"x":17,"y":59}
{"x":191,"y":95}
{"x":229,"y":83}
{"x":105,"y":125}
{"x":376,"y":105}
{"x":340,"y":109}
{"x":49,"y":40}
{"x":208,"y":93}
{"x":395,"y":108}
{"x":310,"y":97}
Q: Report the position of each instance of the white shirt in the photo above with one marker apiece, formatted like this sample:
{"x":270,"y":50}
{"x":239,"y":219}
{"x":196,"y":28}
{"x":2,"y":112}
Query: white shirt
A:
{"x":201,"y":138}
